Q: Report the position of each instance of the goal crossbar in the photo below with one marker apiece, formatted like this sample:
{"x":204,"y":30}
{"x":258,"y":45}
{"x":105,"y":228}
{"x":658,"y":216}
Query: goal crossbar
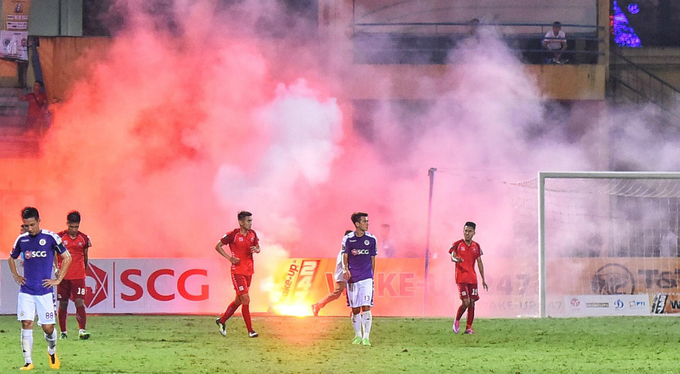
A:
{"x":542,"y":176}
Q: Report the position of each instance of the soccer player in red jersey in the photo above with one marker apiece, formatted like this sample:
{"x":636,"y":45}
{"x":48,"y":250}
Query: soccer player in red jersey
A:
{"x":243,"y":243}
{"x":73,"y":286}
{"x":340,"y":284}
{"x":465,"y":253}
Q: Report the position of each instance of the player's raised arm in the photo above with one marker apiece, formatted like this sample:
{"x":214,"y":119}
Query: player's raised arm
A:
{"x":65,"y":264}
{"x":480,"y":265}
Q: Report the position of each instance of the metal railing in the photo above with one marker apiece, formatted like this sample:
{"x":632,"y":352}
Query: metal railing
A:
{"x":462,"y":27}
{"x":422,"y":42}
{"x":631,"y":83}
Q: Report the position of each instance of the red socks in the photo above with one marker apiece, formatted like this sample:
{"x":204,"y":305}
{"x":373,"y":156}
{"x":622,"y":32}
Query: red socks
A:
{"x":245,"y":310}
{"x":229,"y":312}
{"x":461,"y":310}
{"x":63,"y":313}
{"x":471,"y":316}
{"x":81,"y":317}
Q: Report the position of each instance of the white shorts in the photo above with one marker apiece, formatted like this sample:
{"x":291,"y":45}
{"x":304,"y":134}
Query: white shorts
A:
{"x":29,"y":305}
{"x":360,"y":293}
{"x":339,"y":276}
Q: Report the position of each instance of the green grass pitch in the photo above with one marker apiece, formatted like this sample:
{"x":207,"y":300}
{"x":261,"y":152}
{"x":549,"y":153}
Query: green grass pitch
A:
{"x":192,"y":344}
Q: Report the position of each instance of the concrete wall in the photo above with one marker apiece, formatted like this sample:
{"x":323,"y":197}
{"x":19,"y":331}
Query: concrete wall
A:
{"x":557,"y":82}
{"x":61,"y":61}
{"x":45,"y":18}
{"x":8,"y":73}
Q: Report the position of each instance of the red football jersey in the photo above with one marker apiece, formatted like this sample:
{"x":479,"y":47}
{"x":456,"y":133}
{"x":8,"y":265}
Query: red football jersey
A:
{"x":76,"y":247}
{"x":239,"y":245}
{"x":465,"y":270}
{"x":35,"y":104}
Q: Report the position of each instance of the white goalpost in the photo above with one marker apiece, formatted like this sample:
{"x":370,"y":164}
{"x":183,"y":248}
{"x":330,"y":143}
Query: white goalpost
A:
{"x":631,"y":215}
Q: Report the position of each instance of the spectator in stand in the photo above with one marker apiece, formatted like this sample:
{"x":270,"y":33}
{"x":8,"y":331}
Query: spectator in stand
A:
{"x":669,"y":244}
{"x":37,"y":109}
{"x":474,"y":28}
{"x":387,"y":248}
{"x":555,"y":41}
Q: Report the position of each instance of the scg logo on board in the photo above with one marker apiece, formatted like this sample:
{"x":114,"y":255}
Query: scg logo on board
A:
{"x":138,"y":290}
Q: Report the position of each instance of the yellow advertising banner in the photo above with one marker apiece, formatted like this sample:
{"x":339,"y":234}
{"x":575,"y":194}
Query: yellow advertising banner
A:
{"x":400,"y":288}
{"x":300,"y":282}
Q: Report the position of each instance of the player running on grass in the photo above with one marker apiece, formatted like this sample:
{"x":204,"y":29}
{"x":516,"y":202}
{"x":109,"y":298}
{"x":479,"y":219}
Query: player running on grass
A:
{"x":340,"y":284}
{"x":359,"y":250}
{"x":464,"y":253}
{"x":243,"y":243}
{"x":36,"y":293}
{"x":73,"y":286}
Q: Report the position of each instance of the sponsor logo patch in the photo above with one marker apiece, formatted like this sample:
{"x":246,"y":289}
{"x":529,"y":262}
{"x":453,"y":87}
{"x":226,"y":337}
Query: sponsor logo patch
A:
{"x":31,"y":254}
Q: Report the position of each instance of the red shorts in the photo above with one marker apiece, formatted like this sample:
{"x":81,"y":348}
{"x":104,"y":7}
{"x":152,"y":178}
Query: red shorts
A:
{"x":466,"y":290}
{"x":241,"y":283}
{"x":71,"y":289}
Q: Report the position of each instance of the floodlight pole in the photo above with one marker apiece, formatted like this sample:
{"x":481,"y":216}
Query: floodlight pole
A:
{"x":430,"y":173}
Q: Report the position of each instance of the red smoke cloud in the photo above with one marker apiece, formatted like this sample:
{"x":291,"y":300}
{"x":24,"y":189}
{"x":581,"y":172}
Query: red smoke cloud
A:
{"x":171,"y":135}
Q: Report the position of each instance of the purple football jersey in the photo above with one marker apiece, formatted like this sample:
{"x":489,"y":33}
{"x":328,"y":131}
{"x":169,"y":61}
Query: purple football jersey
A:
{"x":360,"y":250}
{"x":38,"y":254}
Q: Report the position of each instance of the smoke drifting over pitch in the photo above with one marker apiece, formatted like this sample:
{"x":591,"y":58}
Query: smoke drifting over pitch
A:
{"x":178,"y":128}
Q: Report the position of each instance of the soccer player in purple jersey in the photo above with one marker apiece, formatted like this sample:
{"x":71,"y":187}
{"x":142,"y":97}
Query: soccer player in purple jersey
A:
{"x":359,"y":250}
{"x":36,"y":294}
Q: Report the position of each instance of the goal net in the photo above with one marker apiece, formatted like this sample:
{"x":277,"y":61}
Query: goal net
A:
{"x":562,"y":244}
{"x":607,"y":241}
